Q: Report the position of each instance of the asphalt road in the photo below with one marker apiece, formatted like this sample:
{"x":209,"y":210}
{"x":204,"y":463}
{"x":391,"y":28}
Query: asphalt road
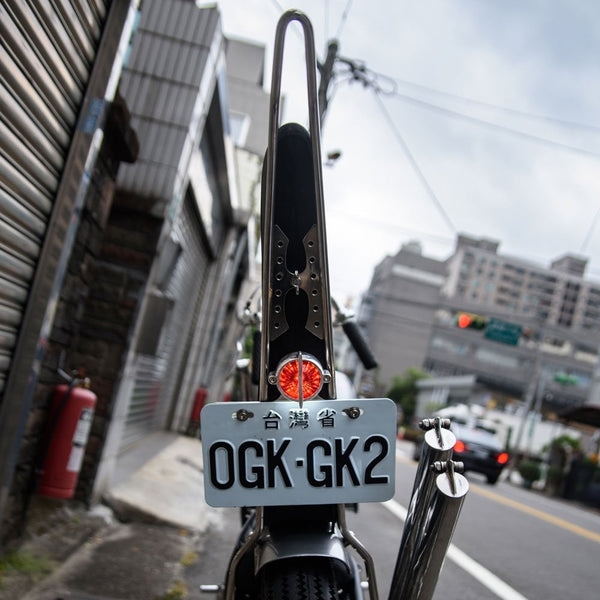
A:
{"x":509,"y":543}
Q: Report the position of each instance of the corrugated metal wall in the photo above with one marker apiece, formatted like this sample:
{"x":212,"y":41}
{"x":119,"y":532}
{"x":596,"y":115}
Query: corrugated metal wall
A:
{"x":169,"y":84}
{"x":46,"y":55}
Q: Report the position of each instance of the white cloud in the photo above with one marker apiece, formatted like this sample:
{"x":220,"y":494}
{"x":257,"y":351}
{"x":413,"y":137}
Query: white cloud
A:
{"x":539,"y":57}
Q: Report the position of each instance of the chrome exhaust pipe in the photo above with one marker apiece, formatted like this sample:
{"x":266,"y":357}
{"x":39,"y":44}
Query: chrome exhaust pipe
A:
{"x":438,"y":444}
{"x":436,"y":501}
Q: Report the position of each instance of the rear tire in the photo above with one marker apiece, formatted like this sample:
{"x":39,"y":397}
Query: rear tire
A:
{"x":299,"y":579}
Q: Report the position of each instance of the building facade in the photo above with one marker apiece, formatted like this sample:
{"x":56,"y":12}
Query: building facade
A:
{"x":557,"y":296}
{"x":123,"y":234}
{"x":398,"y":310}
{"x":186,"y":183}
{"x":552,"y":313}
{"x":248,"y":118}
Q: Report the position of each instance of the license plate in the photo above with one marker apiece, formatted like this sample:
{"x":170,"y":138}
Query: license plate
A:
{"x":275,"y":453}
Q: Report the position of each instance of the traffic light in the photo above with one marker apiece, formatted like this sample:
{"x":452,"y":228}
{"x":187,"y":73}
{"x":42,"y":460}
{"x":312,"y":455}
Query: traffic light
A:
{"x":470,"y":321}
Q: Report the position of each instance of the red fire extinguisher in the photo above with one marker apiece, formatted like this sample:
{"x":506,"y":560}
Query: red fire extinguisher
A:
{"x":197,"y":406}
{"x":70,"y":419}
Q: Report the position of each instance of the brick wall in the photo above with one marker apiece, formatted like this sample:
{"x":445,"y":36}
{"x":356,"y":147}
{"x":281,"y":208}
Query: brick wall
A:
{"x":121,"y":272}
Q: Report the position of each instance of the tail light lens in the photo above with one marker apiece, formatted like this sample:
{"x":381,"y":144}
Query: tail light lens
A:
{"x":300,"y":372}
{"x":460,"y":446}
{"x":502,"y":458}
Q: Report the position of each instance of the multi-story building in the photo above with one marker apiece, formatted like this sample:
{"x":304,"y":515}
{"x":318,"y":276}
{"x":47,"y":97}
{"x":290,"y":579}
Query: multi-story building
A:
{"x":248,"y":104}
{"x":536,"y":330}
{"x":123,"y":233}
{"x":556,"y":296}
{"x":399,"y":309}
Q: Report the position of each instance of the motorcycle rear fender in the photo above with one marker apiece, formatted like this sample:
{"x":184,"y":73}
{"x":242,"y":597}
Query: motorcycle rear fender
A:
{"x":279,"y":546}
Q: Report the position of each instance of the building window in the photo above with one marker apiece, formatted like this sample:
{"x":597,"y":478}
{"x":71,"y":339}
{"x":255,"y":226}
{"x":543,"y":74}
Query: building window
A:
{"x":239,"y":124}
{"x":448,"y":345}
{"x":497,"y":358}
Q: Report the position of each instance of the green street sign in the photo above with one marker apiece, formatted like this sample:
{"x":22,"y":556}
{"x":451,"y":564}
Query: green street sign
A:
{"x":503,"y":332}
{"x":566,"y":379}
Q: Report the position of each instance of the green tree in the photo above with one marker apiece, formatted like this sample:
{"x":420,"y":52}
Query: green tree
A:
{"x":404,"y":391}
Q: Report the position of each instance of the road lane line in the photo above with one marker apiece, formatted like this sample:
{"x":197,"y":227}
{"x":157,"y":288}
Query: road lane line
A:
{"x":544,"y":516}
{"x":465,"y":562}
{"x":483,"y":575}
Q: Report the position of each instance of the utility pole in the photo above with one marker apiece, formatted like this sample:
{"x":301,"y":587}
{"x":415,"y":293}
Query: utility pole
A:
{"x":326,"y":72}
{"x":530,"y":398}
{"x":533,"y":391}
{"x":357,"y":69}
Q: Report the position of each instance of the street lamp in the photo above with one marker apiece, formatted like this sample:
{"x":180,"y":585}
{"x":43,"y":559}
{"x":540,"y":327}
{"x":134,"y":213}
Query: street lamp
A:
{"x":333,"y":157}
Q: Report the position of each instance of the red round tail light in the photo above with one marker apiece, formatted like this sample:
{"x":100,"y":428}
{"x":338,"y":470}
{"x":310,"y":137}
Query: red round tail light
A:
{"x":289,"y":380}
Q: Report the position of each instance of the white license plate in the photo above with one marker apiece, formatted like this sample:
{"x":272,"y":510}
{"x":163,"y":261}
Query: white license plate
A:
{"x":328,"y":452}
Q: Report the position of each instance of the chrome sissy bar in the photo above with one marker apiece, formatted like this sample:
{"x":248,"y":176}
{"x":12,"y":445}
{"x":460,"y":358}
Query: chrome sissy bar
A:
{"x":270,"y":166}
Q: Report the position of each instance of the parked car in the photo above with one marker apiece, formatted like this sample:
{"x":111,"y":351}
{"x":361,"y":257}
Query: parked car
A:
{"x":477,"y":447}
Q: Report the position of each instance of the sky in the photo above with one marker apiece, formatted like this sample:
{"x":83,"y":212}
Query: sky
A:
{"x":482,"y":117}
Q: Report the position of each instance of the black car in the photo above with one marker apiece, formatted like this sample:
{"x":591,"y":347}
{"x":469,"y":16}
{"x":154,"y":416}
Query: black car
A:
{"x":478,"y":448}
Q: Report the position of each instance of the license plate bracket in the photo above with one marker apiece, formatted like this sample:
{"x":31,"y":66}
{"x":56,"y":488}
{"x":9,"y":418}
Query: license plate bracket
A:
{"x":274,"y":453}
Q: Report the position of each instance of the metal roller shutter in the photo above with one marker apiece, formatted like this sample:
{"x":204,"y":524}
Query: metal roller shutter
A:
{"x":46,"y":53}
{"x":156,"y":376}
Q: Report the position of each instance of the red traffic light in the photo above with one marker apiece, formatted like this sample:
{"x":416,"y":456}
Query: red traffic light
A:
{"x":470,"y":321}
{"x":464,"y":320}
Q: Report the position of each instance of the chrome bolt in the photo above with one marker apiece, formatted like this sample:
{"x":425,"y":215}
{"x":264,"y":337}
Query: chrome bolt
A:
{"x":445,"y":466}
{"x":353,"y":412}
{"x":296,"y":282}
{"x":243,"y":414}
{"x":427,"y":424}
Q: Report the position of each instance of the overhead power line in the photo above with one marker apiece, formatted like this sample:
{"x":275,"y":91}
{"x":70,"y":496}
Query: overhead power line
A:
{"x":327,"y":75}
{"x":497,"y":107}
{"x":343,"y":19}
{"x":414,"y":164}
{"x":340,"y":213}
{"x":378,"y":82}
{"x":589,"y":232}
{"x":490,"y":125}
{"x":357,"y":71}
{"x":280,"y":8}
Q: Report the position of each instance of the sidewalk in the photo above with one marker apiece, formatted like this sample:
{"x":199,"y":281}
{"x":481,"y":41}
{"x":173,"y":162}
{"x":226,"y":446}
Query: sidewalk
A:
{"x":136,"y":549}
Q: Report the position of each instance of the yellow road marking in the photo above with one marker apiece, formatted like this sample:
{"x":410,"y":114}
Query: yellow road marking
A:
{"x":590,"y":535}
{"x":544,"y":516}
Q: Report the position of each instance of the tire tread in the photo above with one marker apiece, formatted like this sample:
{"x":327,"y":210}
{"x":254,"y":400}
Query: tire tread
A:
{"x":302,"y":579}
